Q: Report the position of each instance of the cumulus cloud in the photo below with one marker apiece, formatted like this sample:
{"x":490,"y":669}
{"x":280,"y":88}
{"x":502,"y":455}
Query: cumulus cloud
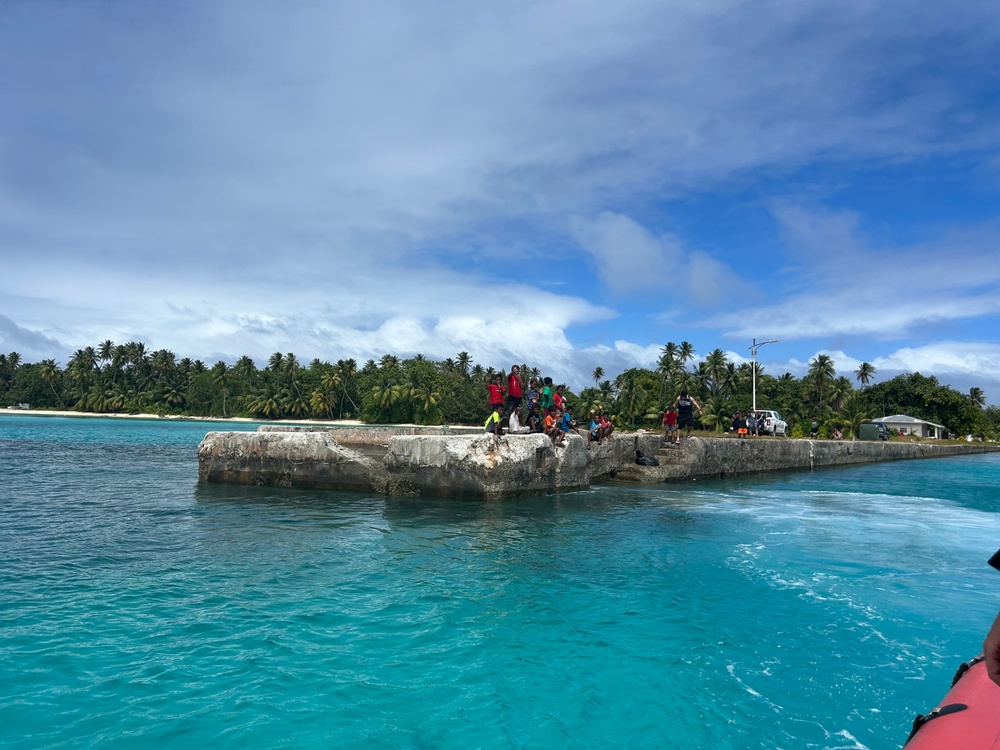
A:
{"x":630,"y":258}
{"x":844,"y":284}
{"x":31,"y":345}
{"x":349,"y":177}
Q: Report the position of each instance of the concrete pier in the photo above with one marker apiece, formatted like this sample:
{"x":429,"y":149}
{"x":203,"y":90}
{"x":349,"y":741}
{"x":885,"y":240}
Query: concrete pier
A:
{"x":443,"y":462}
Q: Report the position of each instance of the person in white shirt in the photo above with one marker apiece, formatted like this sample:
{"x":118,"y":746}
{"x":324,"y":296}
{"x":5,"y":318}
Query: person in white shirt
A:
{"x":515,"y":427}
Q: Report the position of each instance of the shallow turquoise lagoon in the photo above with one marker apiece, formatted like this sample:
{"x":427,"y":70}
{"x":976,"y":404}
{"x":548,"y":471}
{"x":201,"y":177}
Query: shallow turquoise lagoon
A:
{"x":139,"y":609}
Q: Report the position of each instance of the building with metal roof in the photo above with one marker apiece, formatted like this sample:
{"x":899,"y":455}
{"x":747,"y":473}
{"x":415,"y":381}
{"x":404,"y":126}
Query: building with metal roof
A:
{"x":902,"y":424}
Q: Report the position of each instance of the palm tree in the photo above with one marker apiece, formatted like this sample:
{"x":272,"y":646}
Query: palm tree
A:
{"x":853,"y":413}
{"x":320,"y":403}
{"x":598,"y":374}
{"x":670,"y":352}
{"x":48,"y":371}
{"x":977,"y":397}
{"x":245,"y":368}
{"x":294,"y":403}
{"x":463,"y":361}
{"x":347,"y":369}
{"x":716,"y":415}
{"x":386,"y":396}
{"x":865,"y":373}
{"x":81,"y":369}
{"x":276,"y":362}
{"x":632,"y":398}
{"x":840,"y":391}
{"x":821,"y":374}
{"x":715,"y":370}
{"x":220,"y":376}
{"x":685,"y":353}
{"x":424,"y":396}
{"x":164,"y":361}
{"x":267,"y":405}
{"x":105,"y":351}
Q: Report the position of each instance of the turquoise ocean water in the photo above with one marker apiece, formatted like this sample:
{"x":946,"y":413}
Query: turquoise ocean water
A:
{"x":139,"y":609}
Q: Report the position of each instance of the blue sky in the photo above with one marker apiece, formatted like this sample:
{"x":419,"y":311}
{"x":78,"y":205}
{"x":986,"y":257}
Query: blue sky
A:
{"x":570,"y":184}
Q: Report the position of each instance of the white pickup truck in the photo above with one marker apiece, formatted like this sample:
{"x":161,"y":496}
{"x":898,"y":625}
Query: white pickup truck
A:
{"x":769,"y":422}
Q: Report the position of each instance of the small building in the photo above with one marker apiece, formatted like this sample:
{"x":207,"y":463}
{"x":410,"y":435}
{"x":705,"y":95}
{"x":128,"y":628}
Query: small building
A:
{"x":900,"y":423}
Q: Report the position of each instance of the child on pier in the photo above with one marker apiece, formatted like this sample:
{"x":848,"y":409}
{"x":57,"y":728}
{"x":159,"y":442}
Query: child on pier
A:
{"x":496,"y":393}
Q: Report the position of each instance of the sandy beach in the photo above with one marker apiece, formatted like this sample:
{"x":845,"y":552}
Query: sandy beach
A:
{"x":177,"y":418}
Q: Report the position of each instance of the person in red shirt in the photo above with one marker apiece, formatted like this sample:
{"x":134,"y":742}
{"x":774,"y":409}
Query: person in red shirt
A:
{"x":496,"y":393}
{"x":558,"y":400}
{"x":514,"y":389}
{"x":607,"y":425}
{"x":670,"y":424}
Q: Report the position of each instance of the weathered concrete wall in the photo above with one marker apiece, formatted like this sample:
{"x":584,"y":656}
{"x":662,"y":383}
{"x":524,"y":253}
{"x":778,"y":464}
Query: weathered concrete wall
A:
{"x":287,"y":459}
{"x":477,"y":465}
{"x":702,"y":458}
{"x":481,"y":466}
{"x":374,"y":435}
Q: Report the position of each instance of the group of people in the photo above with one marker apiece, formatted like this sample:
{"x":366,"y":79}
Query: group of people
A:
{"x":677,"y":416}
{"x":546,"y":410}
{"x":747,"y":423}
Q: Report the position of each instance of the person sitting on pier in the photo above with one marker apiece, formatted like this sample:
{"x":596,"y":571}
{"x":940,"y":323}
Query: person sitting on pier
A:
{"x":552,"y":427}
{"x":514,"y":425}
{"x":607,"y":425}
{"x":493,"y":422}
{"x":535,"y":421}
{"x":566,"y":423}
{"x":596,"y":433}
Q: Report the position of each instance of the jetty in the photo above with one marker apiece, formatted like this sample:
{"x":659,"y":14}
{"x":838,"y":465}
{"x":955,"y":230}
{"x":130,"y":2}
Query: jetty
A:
{"x":466,"y":462}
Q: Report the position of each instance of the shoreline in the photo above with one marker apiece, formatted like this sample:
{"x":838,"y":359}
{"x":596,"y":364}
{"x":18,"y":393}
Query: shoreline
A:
{"x":177,"y":418}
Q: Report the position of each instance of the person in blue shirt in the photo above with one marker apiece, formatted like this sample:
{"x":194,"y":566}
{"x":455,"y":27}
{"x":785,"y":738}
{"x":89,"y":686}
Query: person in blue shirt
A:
{"x":596,"y":432}
{"x":566,"y":423}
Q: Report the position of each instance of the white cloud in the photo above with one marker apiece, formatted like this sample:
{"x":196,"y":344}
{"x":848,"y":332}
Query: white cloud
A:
{"x":843,"y":284}
{"x":630,"y":258}
{"x":307,"y":177}
{"x":627,"y":256}
{"x":966,"y":358}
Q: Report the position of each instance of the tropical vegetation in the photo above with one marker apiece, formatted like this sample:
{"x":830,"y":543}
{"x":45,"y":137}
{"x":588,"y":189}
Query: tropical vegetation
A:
{"x":129,"y":378}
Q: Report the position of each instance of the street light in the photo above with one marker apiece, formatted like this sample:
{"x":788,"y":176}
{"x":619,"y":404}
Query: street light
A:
{"x":753,"y":350}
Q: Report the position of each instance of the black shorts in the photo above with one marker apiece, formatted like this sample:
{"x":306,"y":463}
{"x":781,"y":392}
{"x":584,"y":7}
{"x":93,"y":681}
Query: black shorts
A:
{"x":685,"y":420}
{"x":513,"y":402}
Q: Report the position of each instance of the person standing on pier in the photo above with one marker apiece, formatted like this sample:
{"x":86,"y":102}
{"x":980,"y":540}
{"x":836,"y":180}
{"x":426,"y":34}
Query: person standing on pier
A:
{"x":685,"y":413}
{"x":496,"y":393}
{"x":514,"y":387}
{"x":670,"y":424}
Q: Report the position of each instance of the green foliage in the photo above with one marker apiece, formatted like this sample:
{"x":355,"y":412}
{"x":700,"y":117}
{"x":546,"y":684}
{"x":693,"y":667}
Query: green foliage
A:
{"x":923,"y":397}
{"x":127,"y":378}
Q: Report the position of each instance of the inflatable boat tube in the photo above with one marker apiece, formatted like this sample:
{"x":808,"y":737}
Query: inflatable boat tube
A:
{"x":967,"y":719}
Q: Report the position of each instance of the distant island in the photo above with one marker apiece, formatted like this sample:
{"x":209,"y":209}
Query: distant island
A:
{"x":121,"y":379}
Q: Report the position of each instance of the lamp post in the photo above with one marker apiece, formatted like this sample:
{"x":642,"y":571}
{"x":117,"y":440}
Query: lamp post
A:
{"x":753,"y":373}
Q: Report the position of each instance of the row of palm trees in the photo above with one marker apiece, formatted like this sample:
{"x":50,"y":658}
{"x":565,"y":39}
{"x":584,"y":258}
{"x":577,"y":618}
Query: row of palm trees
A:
{"x":129,"y":377}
